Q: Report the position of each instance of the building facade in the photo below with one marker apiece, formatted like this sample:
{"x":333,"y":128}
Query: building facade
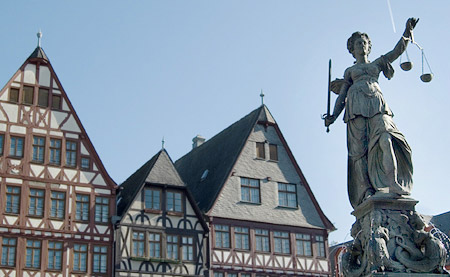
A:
{"x":262,"y":215}
{"x":161,"y":231}
{"x":56,"y":198}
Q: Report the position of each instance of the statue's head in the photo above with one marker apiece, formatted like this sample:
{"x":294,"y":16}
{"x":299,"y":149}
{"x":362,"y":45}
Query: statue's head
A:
{"x":355,"y":36}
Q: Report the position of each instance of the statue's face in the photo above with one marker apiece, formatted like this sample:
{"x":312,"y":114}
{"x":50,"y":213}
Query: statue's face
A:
{"x":361,"y":46}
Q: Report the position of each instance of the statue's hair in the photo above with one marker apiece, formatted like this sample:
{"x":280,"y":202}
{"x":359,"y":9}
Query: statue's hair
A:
{"x":355,"y":36}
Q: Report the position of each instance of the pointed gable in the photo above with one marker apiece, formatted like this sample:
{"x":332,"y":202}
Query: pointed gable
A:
{"x":34,"y":103}
{"x":206,"y":168}
{"x":213,"y":165}
{"x":158,"y":170}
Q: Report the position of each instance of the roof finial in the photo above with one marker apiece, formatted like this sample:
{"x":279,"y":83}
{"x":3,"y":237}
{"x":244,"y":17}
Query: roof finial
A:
{"x":163,"y":142}
{"x":262,"y":97}
{"x":39,"y":35}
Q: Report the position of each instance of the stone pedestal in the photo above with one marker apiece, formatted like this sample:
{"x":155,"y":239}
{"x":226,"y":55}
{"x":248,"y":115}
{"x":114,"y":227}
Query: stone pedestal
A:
{"x":389,"y":239}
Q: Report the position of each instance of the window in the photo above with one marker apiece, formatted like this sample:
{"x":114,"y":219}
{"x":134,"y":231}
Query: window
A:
{"x":218,"y":274}
{"x":260,"y":151}
{"x":187,"y":244}
{"x":101,"y":209}
{"x":33,"y":254}
{"x":320,"y":246}
{"x":55,"y":151}
{"x":287,"y":195}
{"x":58,"y":203}
{"x":241,"y":238}
{"x":82,"y":207}
{"x":303,"y":243}
{"x":138,"y":244}
{"x":99,"y":259}
{"x":172,"y":247}
{"x":43,"y":97}
{"x":71,"y":153}
{"x":16,"y":149}
{"x":232,"y":275}
{"x":8,"y":251}
{"x":273,"y":152}
{"x":174,"y":202}
{"x":262,"y":240}
{"x":85,"y":163}
{"x":36,"y":207}
{"x":152,"y":199}
{"x":14,"y":95}
{"x":281,"y":242}
{"x":55,"y":255}
{"x":250,"y":190}
{"x":80,"y":253}
{"x":2,"y":140}
{"x":12,"y":200}
{"x":56,"y":102}
{"x":245,"y":275}
{"x":154,"y":245}
{"x":222,"y":236}
{"x":28,"y":95}
{"x":38,"y":149}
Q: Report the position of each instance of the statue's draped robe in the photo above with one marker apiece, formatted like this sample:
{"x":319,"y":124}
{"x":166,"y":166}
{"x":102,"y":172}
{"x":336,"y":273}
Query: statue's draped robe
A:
{"x":368,"y":117}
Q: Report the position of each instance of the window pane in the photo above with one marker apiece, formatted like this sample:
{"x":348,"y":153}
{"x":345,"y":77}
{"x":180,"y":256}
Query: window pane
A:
{"x":16,"y":148}
{"x":2,"y":140}
{"x":38,"y":149}
{"x":273,"y":152}
{"x":71,"y":153}
{"x":260,"y":152}
{"x":56,"y":102}
{"x":28,"y":95}
{"x":43,"y":97}
{"x":14,"y":95}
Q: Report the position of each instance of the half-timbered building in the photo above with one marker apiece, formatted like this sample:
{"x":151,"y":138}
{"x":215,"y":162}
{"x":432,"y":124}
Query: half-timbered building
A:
{"x":56,"y":198}
{"x":263,"y":217}
{"x":161,"y":231}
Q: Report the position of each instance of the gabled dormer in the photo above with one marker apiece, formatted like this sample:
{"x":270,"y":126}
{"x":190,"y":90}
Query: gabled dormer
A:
{"x":161,"y":230}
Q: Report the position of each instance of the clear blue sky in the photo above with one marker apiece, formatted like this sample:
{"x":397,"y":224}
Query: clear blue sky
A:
{"x":138,"y":71}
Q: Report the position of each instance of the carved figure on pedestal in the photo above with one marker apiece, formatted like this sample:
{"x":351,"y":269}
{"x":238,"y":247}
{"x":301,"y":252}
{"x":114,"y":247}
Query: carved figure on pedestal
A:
{"x":379,"y":158}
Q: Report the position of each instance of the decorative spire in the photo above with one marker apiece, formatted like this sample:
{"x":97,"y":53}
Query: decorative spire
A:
{"x":39,"y":35}
{"x":163,"y":142}
{"x":262,"y":97}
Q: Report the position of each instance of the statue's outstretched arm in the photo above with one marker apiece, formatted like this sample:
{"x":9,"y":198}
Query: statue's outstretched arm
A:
{"x":400,"y":47}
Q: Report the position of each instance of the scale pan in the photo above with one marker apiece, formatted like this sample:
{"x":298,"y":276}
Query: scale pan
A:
{"x":427,"y":77}
{"x":406,"y":66}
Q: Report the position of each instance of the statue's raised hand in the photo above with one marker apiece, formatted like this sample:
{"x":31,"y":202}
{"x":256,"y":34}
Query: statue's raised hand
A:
{"x":410,"y":25}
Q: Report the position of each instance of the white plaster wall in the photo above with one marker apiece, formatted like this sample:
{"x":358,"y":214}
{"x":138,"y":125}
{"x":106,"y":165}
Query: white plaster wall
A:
{"x":229,"y":203}
{"x":30,"y":74}
{"x":11,"y":111}
{"x":44,"y":76}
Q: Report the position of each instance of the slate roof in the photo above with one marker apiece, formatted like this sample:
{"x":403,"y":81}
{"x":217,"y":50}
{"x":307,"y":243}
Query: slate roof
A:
{"x":158,"y":170}
{"x":38,"y":53}
{"x":217,"y":155}
{"x":442,"y":222}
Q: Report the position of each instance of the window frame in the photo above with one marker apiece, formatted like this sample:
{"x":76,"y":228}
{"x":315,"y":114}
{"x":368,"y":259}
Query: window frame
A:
{"x":260,"y":148}
{"x":52,"y":105}
{"x":54,"y":149}
{"x":101,"y":254}
{"x":273,"y":156}
{"x":84,"y":158}
{"x":18,"y":95}
{"x":38,"y":149}
{"x":248,"y":188}
{"x":243,"y":237}
{"x":151,"y":242}
{"x":224,"y":233}
{"x":73,"y":154}
{"x":144,"y":200}
{"x":104,"y":219}
{"x":283,"y":195}
{"x":279,"y":236}
{"x":53,"y":257}
{"x":18,"y":199}
{"x":33,"y":249}
{"x":83,"y":202}
{"x":187,"y":245}
{"x":173,"y":245}
{"x":8,"y":247}
{"x":42,"y":89}
{"x":261,"y":237}
{"x":36,"y":204}
{"x":13,"y":154}
{"x":25,"y":95}
{"x":303,"y":242}
{"x":2,"y":144}
{"x":320,"y":246}
{"x":80,"y":253}
{"x":58,"y":200}
{"x":140,"y":241}
{"x":174,"y":202}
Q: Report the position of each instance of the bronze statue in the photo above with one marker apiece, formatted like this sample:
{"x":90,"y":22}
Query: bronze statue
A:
{"x":379,"y":158}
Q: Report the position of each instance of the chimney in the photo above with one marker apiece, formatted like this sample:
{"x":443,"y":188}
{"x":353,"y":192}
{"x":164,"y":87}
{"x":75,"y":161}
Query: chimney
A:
{"x":197,"y":141}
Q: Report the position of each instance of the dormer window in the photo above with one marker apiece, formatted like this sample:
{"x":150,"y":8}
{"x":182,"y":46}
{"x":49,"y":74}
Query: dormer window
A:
{"x":152,"y":199}
{"x":260,"y":150}
{"x":273,"y":152}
